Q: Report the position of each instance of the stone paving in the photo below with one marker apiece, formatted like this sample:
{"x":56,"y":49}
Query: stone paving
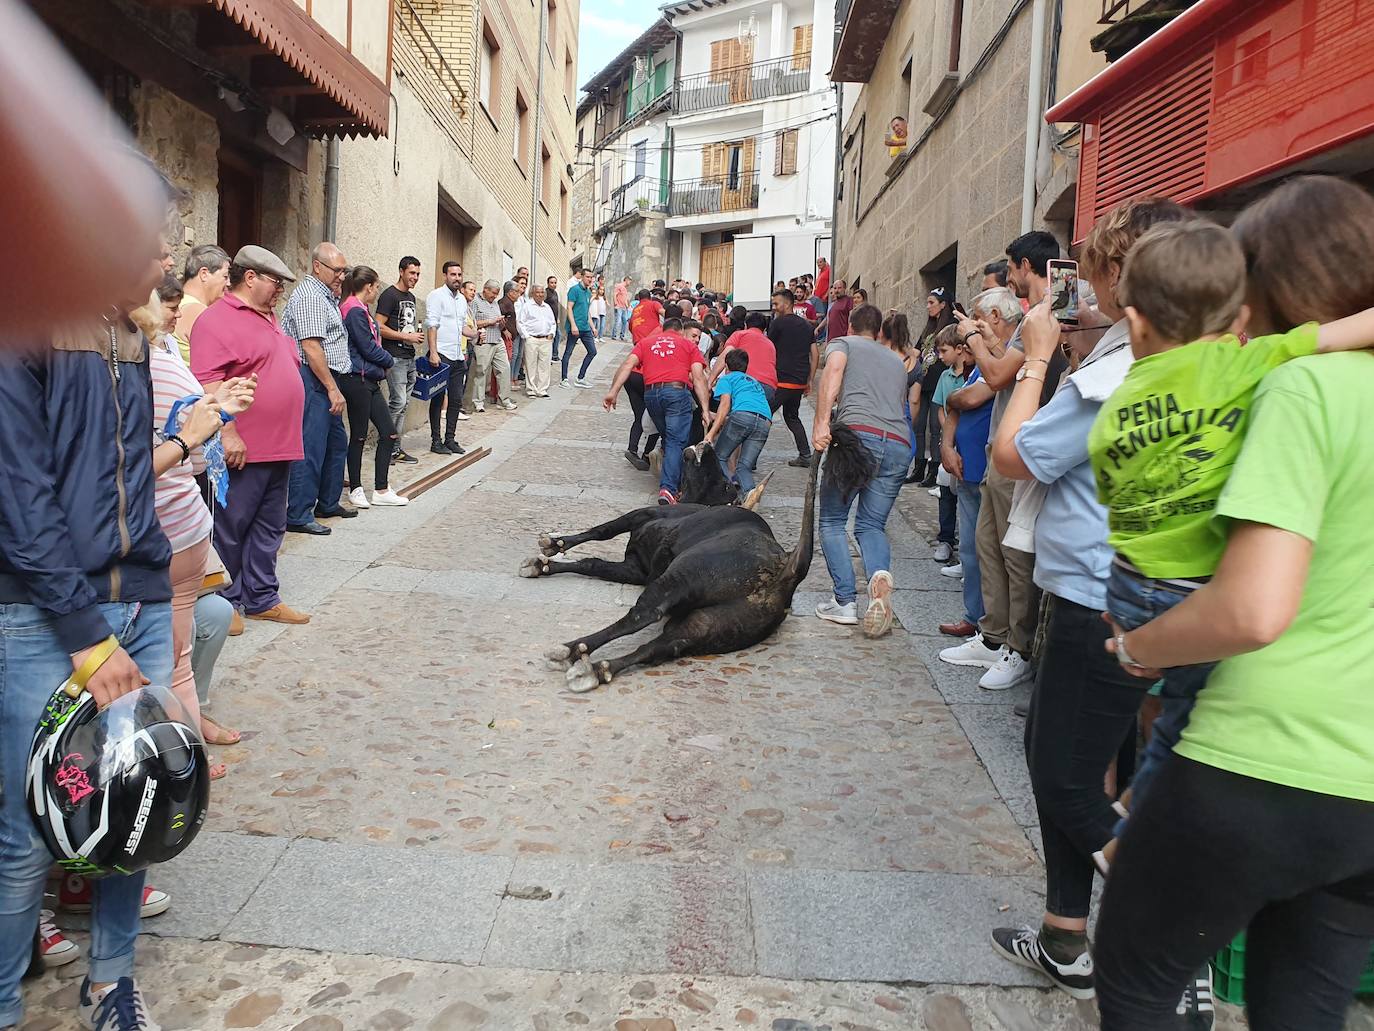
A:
{"x":423,"y":829}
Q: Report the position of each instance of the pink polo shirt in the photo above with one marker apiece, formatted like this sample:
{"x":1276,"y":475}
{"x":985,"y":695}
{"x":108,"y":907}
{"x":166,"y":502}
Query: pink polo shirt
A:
{"x":763,"y":356}
{"x":232,"y":339}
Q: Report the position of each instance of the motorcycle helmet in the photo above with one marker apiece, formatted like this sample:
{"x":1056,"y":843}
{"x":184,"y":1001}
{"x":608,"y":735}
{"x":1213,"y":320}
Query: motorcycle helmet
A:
{"x":117,"y":789}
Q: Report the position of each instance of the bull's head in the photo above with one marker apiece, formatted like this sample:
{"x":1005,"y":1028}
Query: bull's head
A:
{"x":702,"y":481}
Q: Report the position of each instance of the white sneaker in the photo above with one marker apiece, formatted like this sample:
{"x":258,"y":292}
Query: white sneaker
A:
{"x":388,"y":498}
{"x":509,"y":405}
{"x":581,"y":383}
{"x":956,"y":570}
{"x":359,"y":498}
{"x":972,"y":652}
{"x":943,"y":552}
{"x":836,"y":613}
{"x":934,"y":492}
{"x":478,"y":406}
{"x":566,"y":384}
{"x":464,"y":416}
{"x":1008,"y":671}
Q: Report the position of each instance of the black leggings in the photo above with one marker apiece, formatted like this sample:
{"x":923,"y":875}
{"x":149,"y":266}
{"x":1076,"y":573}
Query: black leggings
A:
{"x":457,"y":381}
{"x":1082,"y":710}
{"x":927,"y":427}
{"x":1210,"y":852}
{"x":634,"y":390}
{"x":365,"y":403}
{"x":789,"y":400}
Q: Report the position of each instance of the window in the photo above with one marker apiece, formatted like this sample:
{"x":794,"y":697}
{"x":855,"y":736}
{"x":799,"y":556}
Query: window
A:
{"x":734,"y":156}
{"x":956,"y":35}
{"x":569,"y":76}
{"x":563,"y":210}
{"x":606,"y":180}
{"x":580,"y":131}
{"x":551,"y":39}
{"x":905,"y":97}
{"x":801,"y":47}
{"x":785,"y":155}
{"x":520,"y":146}
{"x":545,"y":176}
{"x":641,"y":150}
{"x":489,"y":72}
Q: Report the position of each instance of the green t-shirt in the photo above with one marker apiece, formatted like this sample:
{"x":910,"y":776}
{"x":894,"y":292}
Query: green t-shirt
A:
{"x":1300,"y":712}
{"x":1164,"y":443}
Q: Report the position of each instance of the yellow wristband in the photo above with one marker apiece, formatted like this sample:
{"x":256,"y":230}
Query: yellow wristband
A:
{"x":76,"y":683}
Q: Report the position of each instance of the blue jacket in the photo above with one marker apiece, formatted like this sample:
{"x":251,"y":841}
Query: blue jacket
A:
{"x":364,"y":345}
{"x":76,"y":481}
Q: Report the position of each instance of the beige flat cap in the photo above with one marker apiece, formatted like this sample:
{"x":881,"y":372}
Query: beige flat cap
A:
{"x":260,"y":259}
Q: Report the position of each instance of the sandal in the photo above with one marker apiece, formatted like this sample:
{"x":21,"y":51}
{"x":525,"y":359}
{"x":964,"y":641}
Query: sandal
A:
{"x":218,"y":771}
{"x":224,"y":735}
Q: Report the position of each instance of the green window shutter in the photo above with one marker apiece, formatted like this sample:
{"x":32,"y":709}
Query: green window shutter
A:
{"x":660,"y":79}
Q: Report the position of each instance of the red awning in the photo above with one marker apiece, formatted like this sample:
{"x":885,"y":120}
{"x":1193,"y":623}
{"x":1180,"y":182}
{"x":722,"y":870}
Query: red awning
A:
{"x":1229,"y":92}
{"x":351,"y":100}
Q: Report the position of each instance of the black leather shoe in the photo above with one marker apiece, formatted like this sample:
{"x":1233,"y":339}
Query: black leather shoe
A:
{"x":801,"y":462}
{"x":436,"y":448}
{"x":312,"y":527}
{"x":454,"y":448}
{"x":918,"y":472}
{"x":335,"y":513}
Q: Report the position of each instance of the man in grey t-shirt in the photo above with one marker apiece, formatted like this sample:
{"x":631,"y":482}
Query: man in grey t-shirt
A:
{"x":864,"y":382}
{"x":489,"y":352}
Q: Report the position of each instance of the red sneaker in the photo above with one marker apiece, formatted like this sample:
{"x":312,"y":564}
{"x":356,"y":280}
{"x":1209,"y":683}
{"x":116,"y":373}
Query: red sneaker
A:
{"x":667,"y":497}
{"x":54,"y":947}
{"x":74,"y":895}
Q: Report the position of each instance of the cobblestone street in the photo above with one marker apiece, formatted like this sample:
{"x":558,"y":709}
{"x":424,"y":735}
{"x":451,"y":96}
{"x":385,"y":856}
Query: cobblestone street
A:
{"x":423,"y":829}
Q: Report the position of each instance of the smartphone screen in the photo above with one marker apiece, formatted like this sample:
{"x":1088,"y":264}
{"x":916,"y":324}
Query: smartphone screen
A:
{"x":1063,"y":275}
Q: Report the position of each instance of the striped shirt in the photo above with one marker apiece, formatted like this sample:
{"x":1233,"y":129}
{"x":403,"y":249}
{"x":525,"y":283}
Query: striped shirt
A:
{"x":313,"y":313}
{"x":176,"y":496}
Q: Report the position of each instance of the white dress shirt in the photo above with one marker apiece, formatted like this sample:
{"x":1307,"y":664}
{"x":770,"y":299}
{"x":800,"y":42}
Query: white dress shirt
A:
{"x":446,"y":311}
{"x":533,"y":320}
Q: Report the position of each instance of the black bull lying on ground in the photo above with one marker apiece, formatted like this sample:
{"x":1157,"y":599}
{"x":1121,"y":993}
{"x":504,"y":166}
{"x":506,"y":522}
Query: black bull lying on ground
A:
{"x":712,"y":570}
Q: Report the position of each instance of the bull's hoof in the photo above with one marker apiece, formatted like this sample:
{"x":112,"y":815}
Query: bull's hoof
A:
{"x":558,"y":657}
{"x":582,"y":678}
{"x":538,"y":566}
{"x":549,"y":546}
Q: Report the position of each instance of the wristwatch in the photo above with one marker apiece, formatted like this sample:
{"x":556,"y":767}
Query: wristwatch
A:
{"x":1021,"y":374}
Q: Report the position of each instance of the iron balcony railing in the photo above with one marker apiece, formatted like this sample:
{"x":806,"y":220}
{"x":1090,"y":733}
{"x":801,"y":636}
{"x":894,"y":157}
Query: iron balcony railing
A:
{"x":636,"y":197}
{"x":743,"y":83}
{"x":433,"y":55}
{"x":738,"y":192}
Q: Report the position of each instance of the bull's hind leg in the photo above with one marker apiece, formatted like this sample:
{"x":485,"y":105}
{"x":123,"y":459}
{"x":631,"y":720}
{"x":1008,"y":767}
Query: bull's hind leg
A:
{"x":629,"y":571}
{"x":659,"y":598}
{"x":729,"y":626}
{"x":557,"y":544}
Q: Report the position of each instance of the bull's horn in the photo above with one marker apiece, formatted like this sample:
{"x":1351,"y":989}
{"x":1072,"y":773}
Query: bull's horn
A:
{"x":751,"y":502}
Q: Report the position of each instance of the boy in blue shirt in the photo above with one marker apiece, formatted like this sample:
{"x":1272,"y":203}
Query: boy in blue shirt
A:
{"x":741,"y":422}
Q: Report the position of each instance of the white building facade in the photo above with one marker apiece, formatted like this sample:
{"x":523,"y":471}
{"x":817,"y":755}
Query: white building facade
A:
{"x":751,"y":129}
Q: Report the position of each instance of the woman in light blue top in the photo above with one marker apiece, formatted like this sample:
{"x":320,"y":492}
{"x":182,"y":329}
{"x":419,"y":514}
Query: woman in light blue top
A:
{"x":742,"y":421}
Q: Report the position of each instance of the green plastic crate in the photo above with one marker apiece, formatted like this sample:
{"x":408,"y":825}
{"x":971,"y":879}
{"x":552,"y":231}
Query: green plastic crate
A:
{"x":1228,"y":973}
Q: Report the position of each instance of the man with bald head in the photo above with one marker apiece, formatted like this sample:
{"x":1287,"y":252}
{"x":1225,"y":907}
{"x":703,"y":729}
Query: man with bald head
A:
{"x":312,"y":319}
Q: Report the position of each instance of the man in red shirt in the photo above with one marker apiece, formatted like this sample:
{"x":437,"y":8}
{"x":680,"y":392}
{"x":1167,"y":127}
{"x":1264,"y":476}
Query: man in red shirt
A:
{"x":837,"y":315}
{"x":238,"y":335}
{"x":763,"y":356}
{"x":673,"y":371}
{"x":822,"y":291}
{"x":646,"y":318}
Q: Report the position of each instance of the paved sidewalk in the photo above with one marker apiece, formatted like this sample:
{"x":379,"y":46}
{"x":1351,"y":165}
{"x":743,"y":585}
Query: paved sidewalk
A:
{"x":423,"y":829}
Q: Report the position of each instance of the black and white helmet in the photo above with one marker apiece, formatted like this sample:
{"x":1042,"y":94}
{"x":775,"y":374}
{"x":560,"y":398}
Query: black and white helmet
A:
{"x":118,"y":789}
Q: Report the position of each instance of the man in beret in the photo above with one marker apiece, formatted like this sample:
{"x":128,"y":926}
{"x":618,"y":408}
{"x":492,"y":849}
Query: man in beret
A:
{"x":238,"y":335}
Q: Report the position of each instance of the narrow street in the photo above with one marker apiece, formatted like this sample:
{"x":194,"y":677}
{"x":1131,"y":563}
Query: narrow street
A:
{"x":423,"y":829}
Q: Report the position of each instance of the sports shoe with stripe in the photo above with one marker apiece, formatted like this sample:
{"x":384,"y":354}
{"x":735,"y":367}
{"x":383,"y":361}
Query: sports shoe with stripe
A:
{"x":120,"y":1007}
{"x":55,"y":947}
{"x":1197,"y":1006}
{"x":1022,"y":945}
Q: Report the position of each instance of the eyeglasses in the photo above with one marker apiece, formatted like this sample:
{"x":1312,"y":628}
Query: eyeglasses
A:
{"x":277,"y":284}
{"x":337,"y":271}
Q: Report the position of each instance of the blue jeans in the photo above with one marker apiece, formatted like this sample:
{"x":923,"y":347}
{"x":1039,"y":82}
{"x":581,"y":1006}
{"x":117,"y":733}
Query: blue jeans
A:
{"x":949,"y":515}
{"x":671,"y":409}
{"x":32,"y":664}
{"x":970,"y":499}
{"x":892,"y":457}
{"x":517,"y":356}
{"x":1134,"y":600}
{"x":317,"y":479}
{"x":599,"y":325}
{"x":622,"y":323}
{"x":747,"y":432}
{"x":589,"y":342}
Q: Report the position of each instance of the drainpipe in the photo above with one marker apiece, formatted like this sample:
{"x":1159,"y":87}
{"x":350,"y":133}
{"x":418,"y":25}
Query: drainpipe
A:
{"x":1035,"y":95}
{"x":536,"y":151}
{"x":331,"y":189}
